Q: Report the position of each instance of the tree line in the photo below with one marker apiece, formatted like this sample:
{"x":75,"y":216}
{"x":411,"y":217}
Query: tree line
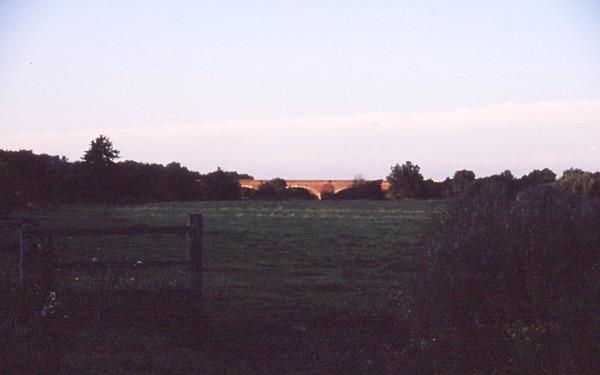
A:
{"x":407,"y":182}
{"x":28,"y":178}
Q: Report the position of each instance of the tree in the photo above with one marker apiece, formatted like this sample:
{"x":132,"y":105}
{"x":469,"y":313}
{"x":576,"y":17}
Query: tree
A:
{"x":327,"y":191}
{"x":361,"y":189}
{"x":358,"y":181}
{"x":577,"y":181}
{"x":220,"y":185}
{"x":272,"y":189}
{"x":461,"y":181}
{"x":435,"y":190}
{"x":6,"y":188}
{"x":279,"y":184}
{"x":537,"y":177}
{"x":101,"y":152}
{"x":595,"y":188}
{"x":405,"y":181}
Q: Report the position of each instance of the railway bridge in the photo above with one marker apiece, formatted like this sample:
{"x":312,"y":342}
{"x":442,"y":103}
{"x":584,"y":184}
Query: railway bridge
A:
{"x":317,"y":187}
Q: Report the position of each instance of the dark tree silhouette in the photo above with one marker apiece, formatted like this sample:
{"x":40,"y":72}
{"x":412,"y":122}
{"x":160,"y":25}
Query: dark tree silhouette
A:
{"x":461,"y":181}
{"x":100,"y":171}
{"x":360,"y":189}
{"x":580,"y":182}
{"x":327,"y":191}
{"x":6,"y":188}
{"x":272,"y":189}
{"x":101,"y":152}
{"x":405,"y":181}
{"x":220,"y":185}
{"x":536,"y":177}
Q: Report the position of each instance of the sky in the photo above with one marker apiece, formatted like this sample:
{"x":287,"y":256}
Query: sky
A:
{"x":311,"y":89}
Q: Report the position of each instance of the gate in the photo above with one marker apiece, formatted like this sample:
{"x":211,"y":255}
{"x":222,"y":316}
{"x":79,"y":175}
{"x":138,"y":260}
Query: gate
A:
{"x":36,"y":296}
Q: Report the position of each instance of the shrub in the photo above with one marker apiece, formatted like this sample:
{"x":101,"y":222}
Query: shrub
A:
{"x":273,"y":189}
{"x":405,"y":181}
{"x":510,"y":282}
{"x":577,"y":181}
{"x":361,"y":189}
{"x":327,"y":191}
{"x":295,"y":193}
{"x":220,"y":185}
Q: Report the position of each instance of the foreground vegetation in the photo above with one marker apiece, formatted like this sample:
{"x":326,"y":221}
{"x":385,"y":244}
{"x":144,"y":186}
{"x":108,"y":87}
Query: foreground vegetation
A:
{"x":285,"y":282}
{"x":511,"y":284}
{"x":503,"y":280}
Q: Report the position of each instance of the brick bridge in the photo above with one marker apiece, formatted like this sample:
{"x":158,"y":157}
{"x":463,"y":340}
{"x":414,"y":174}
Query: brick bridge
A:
{"x":314,"y":186}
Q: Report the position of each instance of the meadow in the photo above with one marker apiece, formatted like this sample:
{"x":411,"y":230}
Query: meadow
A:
{"x":273,"y":272}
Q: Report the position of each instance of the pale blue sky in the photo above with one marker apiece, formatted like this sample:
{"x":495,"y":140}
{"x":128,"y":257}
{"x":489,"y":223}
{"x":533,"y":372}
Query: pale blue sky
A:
{"x":298,"y":87}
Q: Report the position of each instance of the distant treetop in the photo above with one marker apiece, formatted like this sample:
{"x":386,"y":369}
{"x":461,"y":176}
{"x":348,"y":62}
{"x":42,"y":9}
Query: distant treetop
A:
{"x":101,"y":152}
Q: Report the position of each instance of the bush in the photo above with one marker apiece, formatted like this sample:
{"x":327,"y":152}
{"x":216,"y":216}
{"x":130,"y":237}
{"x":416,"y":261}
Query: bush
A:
{"x":406,"y":181}
{"x":273,"y":189}
{"x":295,"y":193}
{"x":586,"y":184}
{"x":361,"y":189}
{"x":220,"y":185}
{"x":277,"y":189}
{"x":510,"y":283}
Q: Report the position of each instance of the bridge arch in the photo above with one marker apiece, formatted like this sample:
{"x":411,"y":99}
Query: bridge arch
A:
{"x":316,"y":187}
{"x":312,"y":190}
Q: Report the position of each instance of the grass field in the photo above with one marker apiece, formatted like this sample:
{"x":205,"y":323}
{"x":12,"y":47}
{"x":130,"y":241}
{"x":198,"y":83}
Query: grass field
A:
{"x":291,"y":268}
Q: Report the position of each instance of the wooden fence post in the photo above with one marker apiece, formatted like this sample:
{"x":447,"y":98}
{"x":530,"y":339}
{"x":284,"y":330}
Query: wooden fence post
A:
{"x":194,"y":258}
{"x":194,"y":251}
